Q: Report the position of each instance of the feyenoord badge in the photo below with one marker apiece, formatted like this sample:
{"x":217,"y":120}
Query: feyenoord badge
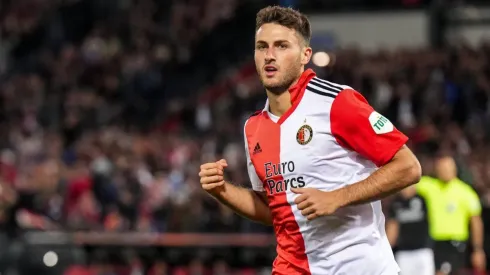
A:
{"x":304,"y":134}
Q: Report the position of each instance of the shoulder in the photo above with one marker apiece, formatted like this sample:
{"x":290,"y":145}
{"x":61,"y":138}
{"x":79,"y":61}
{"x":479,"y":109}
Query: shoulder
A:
{"x":463,"y":186}
{"x":341,"y":97}
{"x":325,"y":88}
{"x":426,"y":182}
{"x":254,"y":116}
{"x":252,"y":121}
{"x":418,"y":197}
{"x":349,"y":108}
{"x":343,"y":102}
{"x":256,"y":113}
{"x":419,"y":200}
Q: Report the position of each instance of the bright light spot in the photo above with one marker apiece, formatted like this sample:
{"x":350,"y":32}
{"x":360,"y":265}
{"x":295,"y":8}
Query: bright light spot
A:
{"x":50,"y":259}
{"x":321,"y":59}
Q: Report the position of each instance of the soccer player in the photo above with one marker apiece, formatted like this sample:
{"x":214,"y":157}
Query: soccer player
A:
{"x":319,"y":159}
{"x":407,"y":229}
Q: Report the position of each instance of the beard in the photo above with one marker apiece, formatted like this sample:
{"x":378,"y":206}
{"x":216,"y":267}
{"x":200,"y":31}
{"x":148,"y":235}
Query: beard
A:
{"x":280,"y":87}
{"x":284,"y":82}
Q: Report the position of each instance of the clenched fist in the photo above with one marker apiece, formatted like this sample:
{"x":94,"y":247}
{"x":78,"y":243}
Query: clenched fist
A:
{"x":211,"y":175}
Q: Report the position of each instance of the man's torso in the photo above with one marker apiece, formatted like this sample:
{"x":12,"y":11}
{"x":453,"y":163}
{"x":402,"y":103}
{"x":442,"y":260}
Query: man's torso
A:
{"x":411,"y":214}
{"x":301,"y":151}
{"x":449,"y":208}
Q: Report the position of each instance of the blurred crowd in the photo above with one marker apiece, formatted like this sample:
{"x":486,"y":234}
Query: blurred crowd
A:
{"x":161,"y":268}
{"x":79,"y":94}
{"x":98,"y":131}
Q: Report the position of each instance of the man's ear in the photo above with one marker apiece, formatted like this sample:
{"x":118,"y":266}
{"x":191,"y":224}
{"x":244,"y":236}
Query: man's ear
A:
{"x":306,"y":55}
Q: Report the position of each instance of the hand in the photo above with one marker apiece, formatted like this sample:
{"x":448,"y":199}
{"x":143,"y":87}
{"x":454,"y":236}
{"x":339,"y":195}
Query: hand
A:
{"x":314,"y":203}
{"x":478,"y":260}
{"x":212,"y":175}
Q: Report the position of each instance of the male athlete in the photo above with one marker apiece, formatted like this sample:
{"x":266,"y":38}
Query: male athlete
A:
{"x":319,"y":159}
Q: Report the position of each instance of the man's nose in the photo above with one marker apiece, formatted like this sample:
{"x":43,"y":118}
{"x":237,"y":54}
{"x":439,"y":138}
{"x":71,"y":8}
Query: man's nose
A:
{"x":270,"y":55}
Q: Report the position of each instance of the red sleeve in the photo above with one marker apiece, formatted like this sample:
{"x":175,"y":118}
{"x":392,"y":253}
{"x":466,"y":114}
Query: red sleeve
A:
{"x":357,"y":126}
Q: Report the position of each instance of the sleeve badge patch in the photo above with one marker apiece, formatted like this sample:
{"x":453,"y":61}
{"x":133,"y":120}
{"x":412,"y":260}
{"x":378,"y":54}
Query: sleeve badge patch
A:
{"x":380,"y":124}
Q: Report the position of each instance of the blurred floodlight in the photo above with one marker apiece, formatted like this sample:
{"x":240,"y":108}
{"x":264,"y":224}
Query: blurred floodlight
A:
{"x":321,"y":59}
{"x":50,"y":259}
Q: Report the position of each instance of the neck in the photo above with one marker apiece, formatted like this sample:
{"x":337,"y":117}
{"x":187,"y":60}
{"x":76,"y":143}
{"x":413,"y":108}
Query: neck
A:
{"x":279,"y":103}
{"x":447,"y":180}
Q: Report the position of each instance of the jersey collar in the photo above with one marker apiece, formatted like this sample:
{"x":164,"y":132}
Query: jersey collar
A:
{"x":297,"y":90}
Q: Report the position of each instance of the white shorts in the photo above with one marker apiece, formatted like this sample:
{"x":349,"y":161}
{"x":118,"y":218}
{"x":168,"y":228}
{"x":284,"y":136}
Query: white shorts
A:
{"x":419,"y":262}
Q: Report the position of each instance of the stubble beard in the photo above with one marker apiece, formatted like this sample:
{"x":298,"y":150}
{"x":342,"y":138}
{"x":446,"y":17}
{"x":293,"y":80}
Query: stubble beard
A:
{"x":284,"y":84}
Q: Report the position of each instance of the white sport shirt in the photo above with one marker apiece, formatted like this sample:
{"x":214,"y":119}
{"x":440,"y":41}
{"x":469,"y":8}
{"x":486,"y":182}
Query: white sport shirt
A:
{"x":330,"y":138}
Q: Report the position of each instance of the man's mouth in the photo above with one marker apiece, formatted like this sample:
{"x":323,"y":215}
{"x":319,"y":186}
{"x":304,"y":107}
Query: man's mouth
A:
{"x":270,"y":70}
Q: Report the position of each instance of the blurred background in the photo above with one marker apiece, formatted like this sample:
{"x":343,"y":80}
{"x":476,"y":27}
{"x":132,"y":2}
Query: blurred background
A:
{"x":107,"y":109}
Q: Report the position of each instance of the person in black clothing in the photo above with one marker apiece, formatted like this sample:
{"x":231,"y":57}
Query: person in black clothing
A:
{"x":408,"y":232}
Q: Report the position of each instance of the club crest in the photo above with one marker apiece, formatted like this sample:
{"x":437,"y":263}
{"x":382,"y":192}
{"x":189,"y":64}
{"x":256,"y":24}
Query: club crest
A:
{"x":304,"y":134}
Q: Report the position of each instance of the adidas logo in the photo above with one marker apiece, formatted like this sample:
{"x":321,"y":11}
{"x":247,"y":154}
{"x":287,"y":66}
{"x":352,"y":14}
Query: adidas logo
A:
{"x":257,"y":149}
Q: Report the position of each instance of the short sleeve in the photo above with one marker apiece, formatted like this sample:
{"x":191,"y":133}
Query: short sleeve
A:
{"x":423,"y":186}
{"x":252,"y":174}
{"x":357,"y":126}
{"x":473,"y":202}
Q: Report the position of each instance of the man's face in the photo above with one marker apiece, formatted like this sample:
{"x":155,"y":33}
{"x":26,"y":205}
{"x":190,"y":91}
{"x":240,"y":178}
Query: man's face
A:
{"x":279,"y":56}
{"x":446,"y":169}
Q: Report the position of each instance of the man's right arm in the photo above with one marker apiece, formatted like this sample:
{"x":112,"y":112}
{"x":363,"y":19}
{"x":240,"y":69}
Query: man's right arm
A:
{"x":249,"y":203}
{"x":245,"y":202}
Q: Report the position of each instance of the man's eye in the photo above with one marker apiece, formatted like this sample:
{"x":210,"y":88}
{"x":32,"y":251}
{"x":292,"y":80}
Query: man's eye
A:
{"x":283,"y":46}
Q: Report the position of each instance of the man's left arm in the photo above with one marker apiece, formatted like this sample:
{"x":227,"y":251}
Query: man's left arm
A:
{"x":357,"y":126}
{"x":401,"y":171}
{"x":473,"y":205}
{"x":476,"y":226}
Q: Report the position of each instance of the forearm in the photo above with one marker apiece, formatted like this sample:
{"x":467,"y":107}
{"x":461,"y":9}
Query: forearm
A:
{"x":244,"y":202}
{"x":402,"y":171}
{"x":477,"y":232}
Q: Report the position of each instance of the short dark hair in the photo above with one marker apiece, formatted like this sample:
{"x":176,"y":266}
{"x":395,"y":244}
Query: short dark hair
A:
{"x":286,"y":17}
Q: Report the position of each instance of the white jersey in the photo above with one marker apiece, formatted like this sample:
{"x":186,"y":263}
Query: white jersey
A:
{"x":331,"y":137}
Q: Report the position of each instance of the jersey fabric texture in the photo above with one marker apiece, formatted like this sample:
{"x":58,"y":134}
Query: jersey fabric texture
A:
{"x":411,"y":215}
{"x":450,"y":206}
{"x":330,"y":137}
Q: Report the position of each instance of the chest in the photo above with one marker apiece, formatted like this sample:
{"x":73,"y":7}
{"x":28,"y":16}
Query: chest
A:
{"x":297,"y":145}
{"x":447,"y":200}
{"x":410,"y":210}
